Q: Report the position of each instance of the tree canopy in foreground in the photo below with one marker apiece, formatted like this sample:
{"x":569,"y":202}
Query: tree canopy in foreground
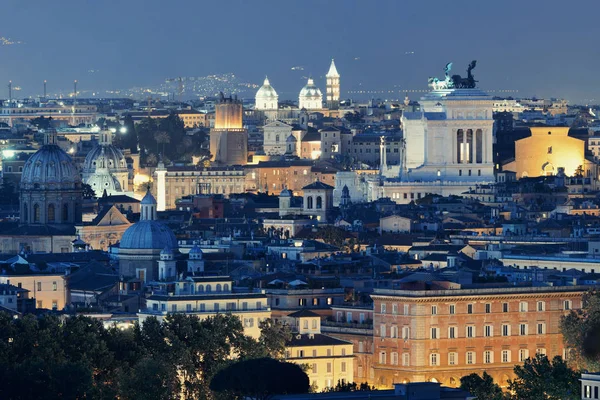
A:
{"x":260,"y":379}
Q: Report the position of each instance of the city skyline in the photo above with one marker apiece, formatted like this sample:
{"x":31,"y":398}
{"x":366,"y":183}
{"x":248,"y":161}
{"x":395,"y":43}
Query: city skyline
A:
{"x":389,"y":47}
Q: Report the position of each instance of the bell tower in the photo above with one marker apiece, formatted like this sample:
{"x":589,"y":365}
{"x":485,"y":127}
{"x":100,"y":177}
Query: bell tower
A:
{"x":333,"y":87}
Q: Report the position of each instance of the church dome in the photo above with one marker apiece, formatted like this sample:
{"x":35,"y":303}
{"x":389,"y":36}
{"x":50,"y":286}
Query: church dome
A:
{"x":105,"y":156}
{"x":148,"y":235}
{"x":50,"y":168}
{"x":266,"y":97}
{"x":311,"y":90}
{"x":266,"y":91}
{"x":285,"y":193}
{"x":310,"y":97}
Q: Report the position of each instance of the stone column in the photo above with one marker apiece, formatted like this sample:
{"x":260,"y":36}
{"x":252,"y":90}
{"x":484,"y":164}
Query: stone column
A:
{"x":453,"y":138}
{"x":474,"y":145}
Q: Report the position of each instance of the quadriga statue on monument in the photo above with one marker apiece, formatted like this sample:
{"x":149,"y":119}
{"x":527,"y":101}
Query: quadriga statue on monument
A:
{"x":466,"y":83}
{"x":456,"y":81}
{"x":437,"y":84}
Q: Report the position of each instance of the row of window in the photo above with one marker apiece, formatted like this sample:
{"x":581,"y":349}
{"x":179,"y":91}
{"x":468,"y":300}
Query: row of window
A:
{"x":39,"y":286}
{"x":328,"y":367}
{"x":200,"y":288}
{"x":488,"y":330}
{"x":374,"y":150}
{"x":40,"y":304}
{"x":470,"y":331}
{"x":470,"y":309}
{"x":232,"y":306}
{"x":315,"y":301}
{"x":302,"y":354}
{"x":453,"y":357}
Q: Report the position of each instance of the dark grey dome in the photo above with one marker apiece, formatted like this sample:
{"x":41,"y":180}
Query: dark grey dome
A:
{"x":50,"y":168}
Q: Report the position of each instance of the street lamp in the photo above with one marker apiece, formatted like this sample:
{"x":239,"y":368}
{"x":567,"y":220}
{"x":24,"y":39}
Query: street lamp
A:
{"x":123,"y":130}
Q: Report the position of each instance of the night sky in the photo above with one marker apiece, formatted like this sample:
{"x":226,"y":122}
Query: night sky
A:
{"x":544,"y":48}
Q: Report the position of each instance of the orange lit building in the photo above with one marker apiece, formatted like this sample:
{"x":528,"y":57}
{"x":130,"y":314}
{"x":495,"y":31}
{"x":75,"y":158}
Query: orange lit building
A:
{"x":545,"y":151}
{"x":274,"y":176}
{"x":228,"y":138}
{"x":442,"y":335}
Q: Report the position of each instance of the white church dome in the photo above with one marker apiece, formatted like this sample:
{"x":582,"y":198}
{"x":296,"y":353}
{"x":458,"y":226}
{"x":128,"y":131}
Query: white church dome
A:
{"x":310,"y":97}
{"x":266,"y":97}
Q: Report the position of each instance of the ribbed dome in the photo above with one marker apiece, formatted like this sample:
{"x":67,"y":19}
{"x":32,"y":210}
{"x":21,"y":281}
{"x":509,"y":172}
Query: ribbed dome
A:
{"x":266,"y":91}
{"x":105,"y":156}
{"x":50,"y":168}
{"x":310,"y":97}
{"x":266,"y":97}
{"x":148,"y":234}
{"x":311,"y":91}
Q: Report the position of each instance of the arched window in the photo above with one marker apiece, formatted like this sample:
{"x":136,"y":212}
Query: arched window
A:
{"x":309,"y":202}
{"x":36,"y":213}
{"x":200,"y":288}
{"x":218,"y":287}
{"x":226,"y":287}
{"x":319,"y":202}
{"x":65,"y":212}
{"x":51,"y":213}
{"x":277,"y":138}
{"x":25,"y":212}
{"x":208,"y":288}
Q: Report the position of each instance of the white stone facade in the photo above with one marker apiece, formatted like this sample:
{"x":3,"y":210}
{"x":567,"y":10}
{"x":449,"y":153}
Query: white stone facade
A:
{"x":275,"y":136}
{"x":451,"y":138}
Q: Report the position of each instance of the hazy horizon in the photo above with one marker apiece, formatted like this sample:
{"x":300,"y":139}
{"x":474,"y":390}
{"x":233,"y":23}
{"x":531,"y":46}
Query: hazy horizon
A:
{"x":543,"y":49}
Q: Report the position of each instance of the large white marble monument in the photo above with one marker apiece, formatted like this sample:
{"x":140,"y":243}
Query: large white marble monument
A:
{"x":447,"y":144}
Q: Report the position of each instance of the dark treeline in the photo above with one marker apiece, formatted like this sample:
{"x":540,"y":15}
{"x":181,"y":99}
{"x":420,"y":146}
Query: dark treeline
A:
{"x":50,"y":357}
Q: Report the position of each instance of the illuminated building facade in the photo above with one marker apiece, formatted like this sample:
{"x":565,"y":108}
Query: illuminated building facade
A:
{"x":275,"y":138}
{"x":205,"y":297}
{"x":329,"y":359}
{"x":49,"y":290}
{"x":545,"y":151}
{"x":106,"y":229}
{"x":228,"y":138}
{"x":178,"y":182}
{"x":274,"y":176}
{"x":442,"y":335}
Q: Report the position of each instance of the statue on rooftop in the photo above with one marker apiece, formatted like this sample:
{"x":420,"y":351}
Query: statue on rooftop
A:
{"x":466,"y":83}
{"x":454,"y":81}
{"x":437,"y":84}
